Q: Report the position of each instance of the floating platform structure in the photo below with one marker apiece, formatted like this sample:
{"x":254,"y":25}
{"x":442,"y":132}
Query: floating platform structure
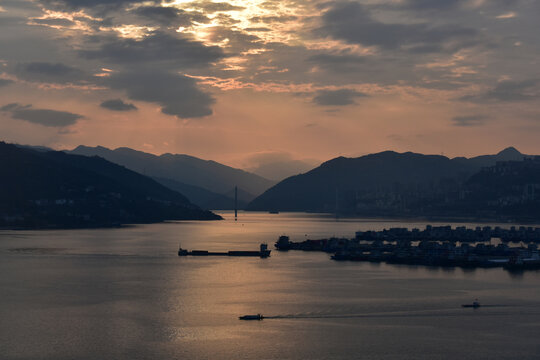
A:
{"x":262,"y":253}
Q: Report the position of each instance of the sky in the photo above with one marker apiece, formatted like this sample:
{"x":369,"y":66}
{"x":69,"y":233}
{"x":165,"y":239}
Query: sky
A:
{"x":259,"y":82}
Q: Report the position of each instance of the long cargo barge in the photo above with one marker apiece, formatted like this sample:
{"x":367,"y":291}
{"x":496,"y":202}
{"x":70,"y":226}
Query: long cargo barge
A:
{"x":262,"y":253}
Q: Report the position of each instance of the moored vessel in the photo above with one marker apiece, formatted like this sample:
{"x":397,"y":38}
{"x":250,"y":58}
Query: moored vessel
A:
{"x":283,"y":243}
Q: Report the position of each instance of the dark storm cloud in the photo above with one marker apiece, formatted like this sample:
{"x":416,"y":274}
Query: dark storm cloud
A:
{"x":470,"y":120}
{"x":9,"y":21}
{"x":18,"y":4}
{"x":505,"y":5}
{"x":508,"y":91}
{"x":513,"y":91}
{"x":441,"y":85}
{"x":261,"y":29}
{"x":81,"y":4}
{"x":49,"y":72}
{"x":352,"y":22}
{"x":13,"y":106}
{"x":158,"y":47}
{"x":117,"y":105}
{"x":53,"y":22}
{"x":212,"y":7}
{"x":45,"y":117}
{"x":87,"y":3}
{"x":337,"y":62}
{"x":339,"y":97}
{"x":339,"y":59}
{"x":176,"y":94}
{"x":5,"y":82}
{"x":171,"y":15}
{"x":432,"y":4}
{"x":56,"y":69}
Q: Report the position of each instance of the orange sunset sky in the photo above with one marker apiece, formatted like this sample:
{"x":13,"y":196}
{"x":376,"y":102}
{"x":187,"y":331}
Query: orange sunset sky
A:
{"x":248,"y":82}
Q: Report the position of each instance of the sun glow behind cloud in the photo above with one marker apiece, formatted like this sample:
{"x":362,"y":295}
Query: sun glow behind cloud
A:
{"x":61,"y":20}
{"x":250,"y":14}
{"x":133,"y":31}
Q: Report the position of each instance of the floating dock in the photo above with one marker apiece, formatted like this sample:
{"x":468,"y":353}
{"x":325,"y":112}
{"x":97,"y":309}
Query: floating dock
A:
{"x":262,"y":253}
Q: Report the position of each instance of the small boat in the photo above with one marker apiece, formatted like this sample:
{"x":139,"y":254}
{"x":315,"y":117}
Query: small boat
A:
{"x":475,"y":304}
{"x":251,"y":317}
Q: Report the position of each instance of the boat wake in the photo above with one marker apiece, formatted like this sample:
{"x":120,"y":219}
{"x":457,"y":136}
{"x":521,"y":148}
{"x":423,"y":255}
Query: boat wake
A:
{"x":449,"y":312}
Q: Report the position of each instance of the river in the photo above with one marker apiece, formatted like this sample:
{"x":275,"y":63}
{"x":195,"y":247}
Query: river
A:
{"x":125,"y":294}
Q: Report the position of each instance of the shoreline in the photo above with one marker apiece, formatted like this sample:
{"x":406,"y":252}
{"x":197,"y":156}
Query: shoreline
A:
{"x":100,"y":226}
{"x":419,"y":218}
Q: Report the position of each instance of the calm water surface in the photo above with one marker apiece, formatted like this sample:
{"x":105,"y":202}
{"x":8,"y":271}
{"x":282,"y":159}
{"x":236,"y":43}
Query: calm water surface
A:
{"x":124,"y":294}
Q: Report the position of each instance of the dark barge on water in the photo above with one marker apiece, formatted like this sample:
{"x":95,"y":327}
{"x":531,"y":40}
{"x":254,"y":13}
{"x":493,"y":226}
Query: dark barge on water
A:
{"x":475,"y":304}
{"x":251,"y":317}
{"x":262,"y":253}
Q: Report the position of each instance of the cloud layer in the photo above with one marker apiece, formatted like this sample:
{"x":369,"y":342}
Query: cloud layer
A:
{"x":339,"y":97}
{"x":45,"y":117}
{"x":292,"y":76}
{"x":5,"y":82}
{"x":354,"y":23}
{"x":176,"y":94}
{"x":117,"y":105}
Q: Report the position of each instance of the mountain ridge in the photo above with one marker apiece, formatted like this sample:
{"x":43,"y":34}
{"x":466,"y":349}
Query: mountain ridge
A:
{"x":52,"y":189}
{"x":185,"y":169}
{"x":316,"y":189}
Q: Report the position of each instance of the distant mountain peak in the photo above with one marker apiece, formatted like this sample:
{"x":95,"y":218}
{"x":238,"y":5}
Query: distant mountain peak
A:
{"x":512,"y":151}
{"x":90,"y":148}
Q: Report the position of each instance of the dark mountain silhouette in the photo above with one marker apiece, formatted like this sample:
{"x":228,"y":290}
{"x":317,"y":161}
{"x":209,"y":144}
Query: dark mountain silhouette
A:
{"x":518,"y":179}
{"x":52,"y":189}
{"x":509,"y":190}
{"x":351,"y":184}
{"x":186,"y":170}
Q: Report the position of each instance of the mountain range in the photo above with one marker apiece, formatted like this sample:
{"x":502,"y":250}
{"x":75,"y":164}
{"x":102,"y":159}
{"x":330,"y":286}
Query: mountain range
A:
{"x":52,"y":189}
{"x":206,"y":183}
{"x":350,"y":184}
{"x":382,"y":184}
